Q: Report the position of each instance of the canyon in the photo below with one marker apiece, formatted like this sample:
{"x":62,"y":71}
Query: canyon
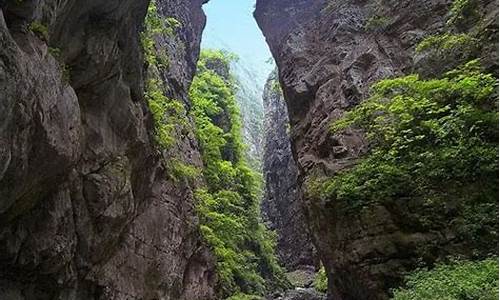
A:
{"x":90,"y":205}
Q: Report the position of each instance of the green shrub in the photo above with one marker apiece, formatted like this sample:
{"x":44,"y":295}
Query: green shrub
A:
{"x":229,"y":206}
{"x":155,"y":25}
{"x":460,"y":11}
{"x":168,"y":114}
{"x":377,"y":22}
{"x":321,"y":281}
{"x":40,"y":30}
{"x":447,"y":42}
{"x":460,"y":280}
{"x":245,"y":297}
{"x":425,"y":135}
{"x":276,"y":87}
{"x":181,"y":170}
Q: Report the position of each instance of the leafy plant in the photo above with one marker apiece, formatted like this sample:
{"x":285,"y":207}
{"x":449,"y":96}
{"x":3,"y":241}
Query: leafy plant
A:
{"x":40,"y":30}
{"x":229,"y":206}
{"x":460,"y":11}
{"x":447,"y":42}
{"x":459,"y":280}
{"x":276,"y":87}
{"x":155,"y":25}
{"x":425,"y":135}
{"x":168,"y":114}
{"x":321,"y":281}
{"x":241,"y":296}
{"x":377,"y":22}
{"x":181,"y":170}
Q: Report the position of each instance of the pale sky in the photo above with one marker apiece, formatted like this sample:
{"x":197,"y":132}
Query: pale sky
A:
{"x":231,"y":26}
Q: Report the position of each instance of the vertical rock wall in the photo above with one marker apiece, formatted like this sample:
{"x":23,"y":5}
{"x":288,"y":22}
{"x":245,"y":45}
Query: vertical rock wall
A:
{"x":328,"y":55}
{"x":281,"y":207}
{"x":87,"y":209}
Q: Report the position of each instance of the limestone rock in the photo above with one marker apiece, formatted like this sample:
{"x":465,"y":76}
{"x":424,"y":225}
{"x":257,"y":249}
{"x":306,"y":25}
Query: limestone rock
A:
{"x":328,"y":55}
{"x":281,"y":206}
{"x":87,"y":210}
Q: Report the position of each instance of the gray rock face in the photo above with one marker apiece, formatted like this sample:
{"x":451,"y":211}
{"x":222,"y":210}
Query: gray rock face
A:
{"x":86,"y":207}
{"x":328,"y":57}
{"x":281,"y":206}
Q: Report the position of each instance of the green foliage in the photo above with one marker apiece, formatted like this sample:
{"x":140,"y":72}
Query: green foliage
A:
{"x":155,"y":25}
{"x":56,"y":52}
{"x":321,"y":281}
{"x":168,"y":114}
{"x":377,"y":22}
{"x":425,"y":135}
{"x":460,"y":280}
{"x":40,"y":30}
{"x":447,"y":42}
{"x":460,"y":11}
{"x":241,"y":296}
{"x":64,"y":68}
{"x":229,"y":207}
{"x":276,"y":87}
{"x":180,"y":170}
{"x":170,"y":120}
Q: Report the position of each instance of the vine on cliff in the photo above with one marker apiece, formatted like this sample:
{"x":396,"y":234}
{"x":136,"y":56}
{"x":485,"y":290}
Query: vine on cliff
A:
{"x":229,"y":206}
{"x":169,"y":115}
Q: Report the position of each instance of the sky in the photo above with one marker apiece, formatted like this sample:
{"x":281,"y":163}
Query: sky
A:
{"x":231,"y":26}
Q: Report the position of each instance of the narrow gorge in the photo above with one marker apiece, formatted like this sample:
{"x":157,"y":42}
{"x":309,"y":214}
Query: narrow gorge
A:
{"x":136,"y":165}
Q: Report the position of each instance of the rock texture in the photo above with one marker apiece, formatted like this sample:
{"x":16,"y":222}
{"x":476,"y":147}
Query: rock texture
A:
{"x":281,"y":206}
{"x":86,"y":207}
{"x":328,"y":56}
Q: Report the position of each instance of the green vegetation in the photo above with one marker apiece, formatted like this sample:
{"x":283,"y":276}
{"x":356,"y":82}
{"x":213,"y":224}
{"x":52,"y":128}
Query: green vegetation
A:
{"x":461,"y":280}
{"x":55,"y":52}
{"x":276,"y":87}
{"x":229,"y":206}
{"x":168,"y":114}
{"x":449,"y":45}
{"x":432,"y":141}
{"x":426,"y":135}
{"x":241,"y":296}
{"x":64,"y":68}
{"x":155,"y":25}
{"x":321,"y":281}
{"x":448,"y":42}
{"x":180,"y":170}
{"x":460,"y":11}
{"x":377,"y":22}
{"x":40,"y":30}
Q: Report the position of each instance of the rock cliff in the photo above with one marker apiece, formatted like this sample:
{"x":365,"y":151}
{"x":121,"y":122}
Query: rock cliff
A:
{"x":281,"y":205}
{"x":328,"y":54}
{"x":87,"y":207}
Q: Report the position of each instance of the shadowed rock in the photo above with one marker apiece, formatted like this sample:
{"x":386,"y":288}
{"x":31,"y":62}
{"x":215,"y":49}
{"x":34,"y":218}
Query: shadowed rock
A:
{"x":86,"y":207}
